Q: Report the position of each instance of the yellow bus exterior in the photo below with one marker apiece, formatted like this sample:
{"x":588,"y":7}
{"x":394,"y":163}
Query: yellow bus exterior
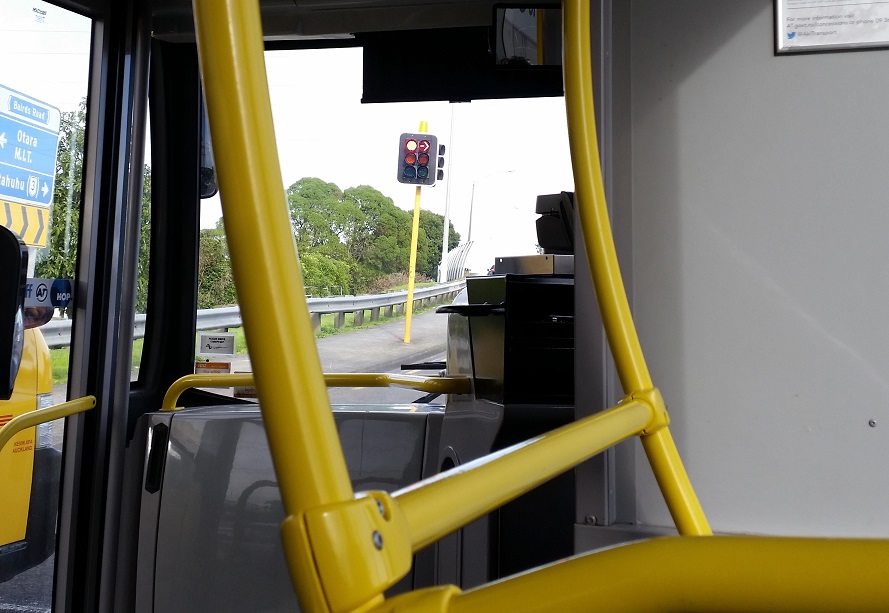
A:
{"x":34,"y":382}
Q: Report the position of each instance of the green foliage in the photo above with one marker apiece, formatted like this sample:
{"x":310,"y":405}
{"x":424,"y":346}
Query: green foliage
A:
{"x":144,"y":243}
{"x":216,"y":286}
{"x":349,"y":241}
{"x":59,"y":258}
{"x":324,"y":275}
{"x":357,"y":236}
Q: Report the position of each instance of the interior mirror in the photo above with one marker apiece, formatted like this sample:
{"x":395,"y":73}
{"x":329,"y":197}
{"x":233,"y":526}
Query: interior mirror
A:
{"x":37,"y":316}
{"x":13,"y":272}
{"x":208,"y":165}
{"x":528,"y":36}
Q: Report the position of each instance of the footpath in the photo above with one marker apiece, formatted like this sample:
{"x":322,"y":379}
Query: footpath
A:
{"x":380,"y":348}
{"x":377,"y":349}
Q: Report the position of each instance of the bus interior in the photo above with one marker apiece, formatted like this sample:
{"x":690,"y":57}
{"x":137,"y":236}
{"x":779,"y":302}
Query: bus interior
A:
{"x":704,"y":202}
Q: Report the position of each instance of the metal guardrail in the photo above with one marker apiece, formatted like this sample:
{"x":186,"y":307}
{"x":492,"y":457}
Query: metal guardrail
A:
{"x":58,"y":332}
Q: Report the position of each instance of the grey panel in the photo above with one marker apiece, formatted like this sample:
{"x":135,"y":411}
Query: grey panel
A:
{"x":217,"y":545}
{"x":759,"y":267}
{"x":535,"y":265}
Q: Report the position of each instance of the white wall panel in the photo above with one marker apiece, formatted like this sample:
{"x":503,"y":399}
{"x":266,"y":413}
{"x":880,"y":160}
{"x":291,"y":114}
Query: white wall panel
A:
{"x":760,"y":241}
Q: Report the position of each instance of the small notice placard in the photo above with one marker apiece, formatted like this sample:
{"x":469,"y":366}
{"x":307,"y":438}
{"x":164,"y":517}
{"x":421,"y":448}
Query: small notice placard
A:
{"x":821,"y":25}
{"x":216,"y":343}
{"x":212,"y":368}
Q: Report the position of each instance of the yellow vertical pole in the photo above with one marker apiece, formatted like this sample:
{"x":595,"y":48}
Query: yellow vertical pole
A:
{"x":303,"y":440}
{"x":412,"y":266}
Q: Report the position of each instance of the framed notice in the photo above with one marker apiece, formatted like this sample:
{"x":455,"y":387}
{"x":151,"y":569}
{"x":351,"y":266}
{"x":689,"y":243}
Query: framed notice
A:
{"x":825,"y":25}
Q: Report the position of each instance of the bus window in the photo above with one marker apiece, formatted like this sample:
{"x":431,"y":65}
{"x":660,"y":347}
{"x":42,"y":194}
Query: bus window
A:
{"x":352,"y":219}
{"x":144,"y":261}
{"x":44,"y":66}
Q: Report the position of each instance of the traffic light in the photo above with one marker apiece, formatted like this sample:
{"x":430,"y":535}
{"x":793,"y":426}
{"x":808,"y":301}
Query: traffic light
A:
{"x":417,"y":159}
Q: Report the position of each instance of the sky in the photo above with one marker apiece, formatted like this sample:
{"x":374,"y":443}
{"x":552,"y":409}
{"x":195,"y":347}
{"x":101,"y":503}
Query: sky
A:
{"x":505,"y":152}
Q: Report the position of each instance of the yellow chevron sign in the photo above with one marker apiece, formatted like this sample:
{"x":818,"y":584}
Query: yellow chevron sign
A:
{"x":30,"y":222}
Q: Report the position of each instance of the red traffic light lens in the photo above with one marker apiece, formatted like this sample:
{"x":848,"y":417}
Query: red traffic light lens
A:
{"x":410,"y":158}
{"x":410,"y":145}
{"x":423,"y":158}
{"x":424,"y":146}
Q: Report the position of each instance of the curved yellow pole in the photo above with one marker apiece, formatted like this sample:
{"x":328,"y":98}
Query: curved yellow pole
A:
{"x":303,"y":441}
{"x":302,"y":435}
{"x":615,"y":308}
{"x":612,"y":296}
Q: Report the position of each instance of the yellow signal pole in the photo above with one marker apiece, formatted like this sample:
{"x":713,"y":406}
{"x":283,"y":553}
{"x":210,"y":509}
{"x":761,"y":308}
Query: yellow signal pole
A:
{"x":411,"y":274}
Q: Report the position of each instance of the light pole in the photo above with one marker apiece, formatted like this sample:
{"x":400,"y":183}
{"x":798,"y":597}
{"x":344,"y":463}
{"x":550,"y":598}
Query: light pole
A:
{"x":472,"y":198}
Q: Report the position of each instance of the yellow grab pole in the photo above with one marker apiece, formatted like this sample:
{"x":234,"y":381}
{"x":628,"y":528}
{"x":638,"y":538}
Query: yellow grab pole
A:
{"x":615,"y":308}
{"x":613,"y":304}
{"x":303,"y":441}
{"x":439,"y":505}
{"x":674,"y":483}
{"x":412,"y":266}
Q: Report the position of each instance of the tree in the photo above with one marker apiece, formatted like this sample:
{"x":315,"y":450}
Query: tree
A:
{"x":59,"y":258}
{"x":381,"y":243}
{"x":216,"y":285}
{"x":144,"y":242}
{"x":323,"y":275}
{"x":358,"y":232}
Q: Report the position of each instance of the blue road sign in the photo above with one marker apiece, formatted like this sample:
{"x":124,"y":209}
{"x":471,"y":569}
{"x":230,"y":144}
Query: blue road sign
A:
{"x":29,"y":143}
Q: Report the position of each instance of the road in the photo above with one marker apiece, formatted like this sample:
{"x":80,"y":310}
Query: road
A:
{"x":378,"y":349}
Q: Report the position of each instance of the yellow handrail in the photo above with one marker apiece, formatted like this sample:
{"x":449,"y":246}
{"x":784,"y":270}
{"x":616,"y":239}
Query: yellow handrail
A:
{"x":710,"y":575}
{"x":438,"y":506}
{"x":439,"y":385}
{"x":40,"y":416}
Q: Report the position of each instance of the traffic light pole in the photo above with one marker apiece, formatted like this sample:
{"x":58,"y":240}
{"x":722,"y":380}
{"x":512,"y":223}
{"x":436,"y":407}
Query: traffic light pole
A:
{"x":412,"y":266}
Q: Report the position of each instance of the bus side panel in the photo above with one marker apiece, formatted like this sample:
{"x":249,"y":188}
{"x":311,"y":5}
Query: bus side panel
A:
{"x":17,"y":458}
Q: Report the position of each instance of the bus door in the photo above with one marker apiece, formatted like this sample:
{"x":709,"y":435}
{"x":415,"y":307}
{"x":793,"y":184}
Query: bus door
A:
{"x":44,"y":53}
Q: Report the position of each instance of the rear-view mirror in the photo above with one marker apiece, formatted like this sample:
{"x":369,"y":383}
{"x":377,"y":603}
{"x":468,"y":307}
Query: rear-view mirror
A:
{"x":13,"y":272}
{"x":528,"y":36}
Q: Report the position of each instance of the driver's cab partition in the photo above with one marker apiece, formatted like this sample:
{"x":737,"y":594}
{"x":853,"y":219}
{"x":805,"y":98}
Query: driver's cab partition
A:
{"x":514,"y":335}
{"x":210,"y":506}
